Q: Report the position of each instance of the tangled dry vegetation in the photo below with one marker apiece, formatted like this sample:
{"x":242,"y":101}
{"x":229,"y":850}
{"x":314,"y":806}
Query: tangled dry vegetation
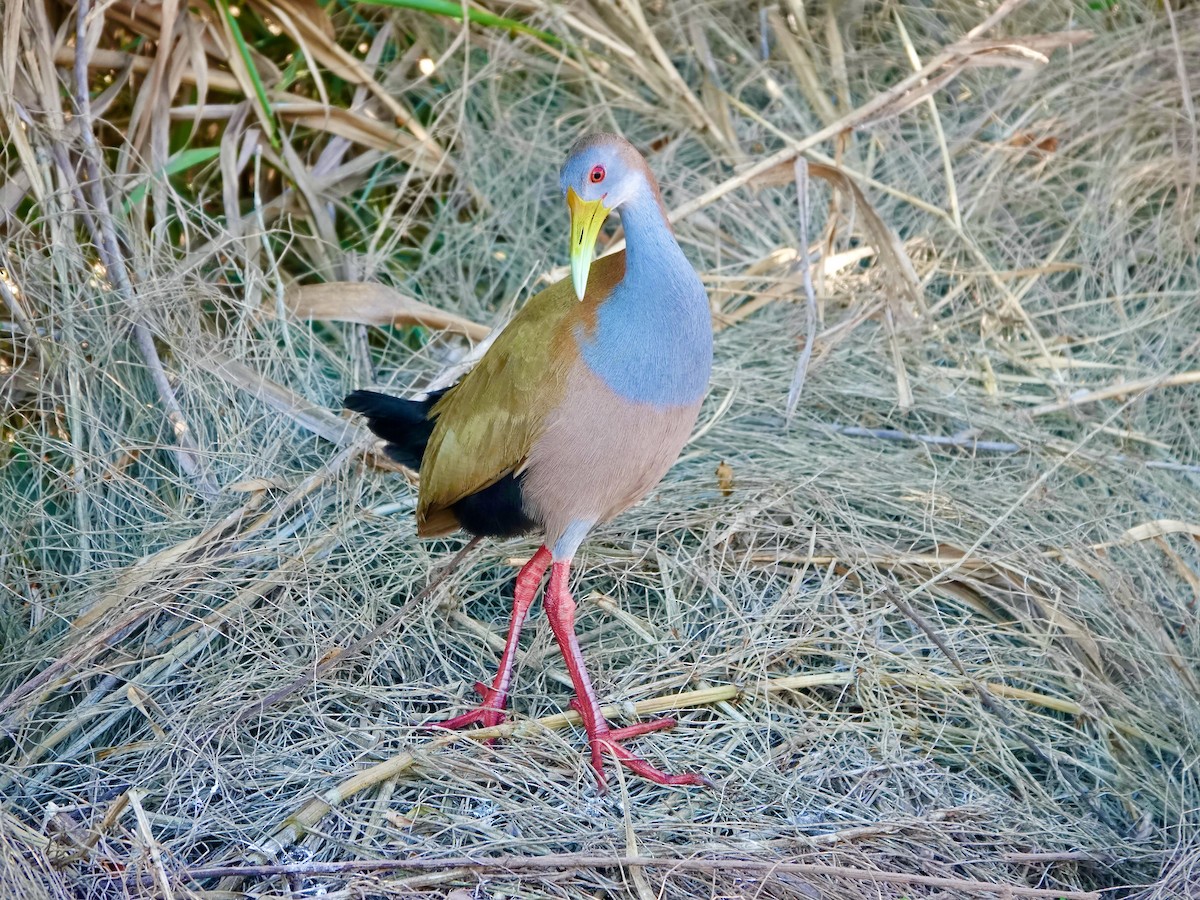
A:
{"x":935,"y":636}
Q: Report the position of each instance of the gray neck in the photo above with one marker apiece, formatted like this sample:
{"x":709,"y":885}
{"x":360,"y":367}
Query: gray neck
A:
{"x":651,"y":252}
{"x":653,"y":340}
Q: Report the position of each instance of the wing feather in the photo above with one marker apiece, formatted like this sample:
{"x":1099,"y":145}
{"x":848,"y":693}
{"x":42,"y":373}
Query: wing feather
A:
{"x":486,"y":425}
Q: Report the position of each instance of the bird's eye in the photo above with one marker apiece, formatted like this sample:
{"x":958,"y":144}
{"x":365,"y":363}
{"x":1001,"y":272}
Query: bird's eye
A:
{"x":597,"y":174}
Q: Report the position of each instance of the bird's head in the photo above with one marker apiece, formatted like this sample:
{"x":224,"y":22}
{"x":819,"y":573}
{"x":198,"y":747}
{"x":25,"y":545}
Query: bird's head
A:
{"x":603,"y":172}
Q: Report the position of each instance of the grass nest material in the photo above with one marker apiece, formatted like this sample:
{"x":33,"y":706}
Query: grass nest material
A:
{"x":935,"y":635}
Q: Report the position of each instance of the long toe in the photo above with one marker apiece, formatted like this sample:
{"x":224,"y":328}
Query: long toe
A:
{"x":641,"y":767}
{"x":620,"y":734}
{"x":484,"y":716}
{"x":488,"y":714}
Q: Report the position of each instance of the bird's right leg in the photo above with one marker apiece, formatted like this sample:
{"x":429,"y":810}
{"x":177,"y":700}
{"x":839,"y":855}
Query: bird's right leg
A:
{"x":560,"y":610}
{"x":491,"y":711}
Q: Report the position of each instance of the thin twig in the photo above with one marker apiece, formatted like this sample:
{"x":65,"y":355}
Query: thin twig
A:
{"x":936,"y":118}
{"x":948,"y":59}
{"x":566,"y":861}
{"x":18,"y":312}
{"x":186,"y":450}
{"x":307,"y":816}
{"x":312,"y":674}
{"x":283,"y":400}
{"x":966,"y":442}
{"x":810,"y":297}
{"x":1188,"y":186}
{"x":1138,"y":387}
{"x":152,"y":847}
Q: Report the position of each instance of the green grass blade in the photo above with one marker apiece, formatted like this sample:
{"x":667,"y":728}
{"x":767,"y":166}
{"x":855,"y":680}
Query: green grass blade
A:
{"x":260,"y":89}
{"x":455,"y":11}
{"x":178,"y":162}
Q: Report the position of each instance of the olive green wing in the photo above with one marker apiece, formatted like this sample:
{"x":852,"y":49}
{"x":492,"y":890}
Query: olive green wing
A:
{"x":486,"y":424}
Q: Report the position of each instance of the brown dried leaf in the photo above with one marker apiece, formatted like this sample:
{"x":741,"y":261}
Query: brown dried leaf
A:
{"x":254,"y":485}
{"x":1026,"y":596}
{"x":315,"y":13}
{"x":374,"y":304}
{"x":1025,"y":52}
{"x":362,"y":130}
{"x":310,"y":27}
{"x":725,"y":478}
{"x":1033,"y":142}
{"x":332,"y":653}
{"x":889,"y":246}
{"x":1157,"y":528}
{"x":117,"y":59}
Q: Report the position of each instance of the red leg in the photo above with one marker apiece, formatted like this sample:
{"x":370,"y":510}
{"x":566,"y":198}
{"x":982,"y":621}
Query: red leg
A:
{"x":560,"y":609}
{"x":491,"y":711}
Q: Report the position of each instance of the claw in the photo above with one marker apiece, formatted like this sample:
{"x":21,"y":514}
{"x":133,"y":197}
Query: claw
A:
{"x":489,"y":713}
{"x":561,"y":610}
{"x":637,"y":728}
{"x":636,"y":764}
{"x":603,"y":737}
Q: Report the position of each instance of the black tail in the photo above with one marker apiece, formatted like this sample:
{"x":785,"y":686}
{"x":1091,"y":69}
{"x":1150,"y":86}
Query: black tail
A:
{"x":498,"y":509}
{"x":404,"y":424}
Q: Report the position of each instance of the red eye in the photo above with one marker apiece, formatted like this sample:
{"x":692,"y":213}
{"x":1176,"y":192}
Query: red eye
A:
{"x":597,"y":174}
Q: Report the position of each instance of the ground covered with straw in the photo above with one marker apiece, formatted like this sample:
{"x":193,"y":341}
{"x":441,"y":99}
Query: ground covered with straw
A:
{"x":933,"y":634}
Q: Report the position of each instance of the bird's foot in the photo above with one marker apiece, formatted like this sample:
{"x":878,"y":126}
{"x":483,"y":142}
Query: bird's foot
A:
{"x":604,"y":738}
{"x":489,"y":713}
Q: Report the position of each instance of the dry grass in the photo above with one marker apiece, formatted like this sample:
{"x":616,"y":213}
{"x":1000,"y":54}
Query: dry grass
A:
{"x":941,"y":634}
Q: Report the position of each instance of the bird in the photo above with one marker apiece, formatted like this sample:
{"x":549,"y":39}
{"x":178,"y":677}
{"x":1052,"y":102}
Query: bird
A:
{"x":573,"y":414}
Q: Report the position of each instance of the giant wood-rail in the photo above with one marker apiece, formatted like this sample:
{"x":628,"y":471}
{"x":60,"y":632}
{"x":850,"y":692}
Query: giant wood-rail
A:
{"x":574,"y":413}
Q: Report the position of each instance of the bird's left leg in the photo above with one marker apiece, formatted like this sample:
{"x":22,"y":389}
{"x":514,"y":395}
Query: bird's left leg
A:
{"x":560,"y":610}
{"x":491,"y":711}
